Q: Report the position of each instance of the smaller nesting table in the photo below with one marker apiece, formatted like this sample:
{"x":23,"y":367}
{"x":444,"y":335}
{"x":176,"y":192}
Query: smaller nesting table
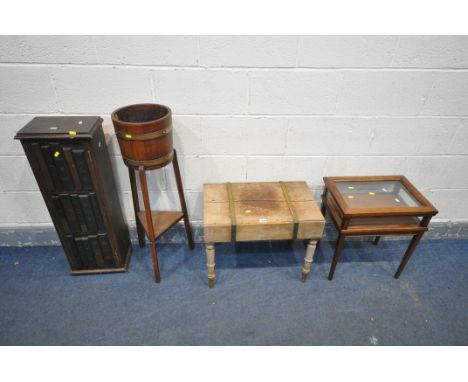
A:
{"x":376,"y":206}
{"x":260,"y":211}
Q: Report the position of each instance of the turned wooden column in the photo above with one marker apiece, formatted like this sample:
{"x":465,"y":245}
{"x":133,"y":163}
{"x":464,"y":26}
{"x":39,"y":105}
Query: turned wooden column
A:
{"x":210,"y":263}
{"x":308,"y":259}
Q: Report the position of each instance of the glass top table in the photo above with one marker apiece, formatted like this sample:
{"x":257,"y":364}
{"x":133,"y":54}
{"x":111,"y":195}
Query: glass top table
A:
{"x":376,"y":206}
{"x":377,"y":196}
{"x":390,"y":193}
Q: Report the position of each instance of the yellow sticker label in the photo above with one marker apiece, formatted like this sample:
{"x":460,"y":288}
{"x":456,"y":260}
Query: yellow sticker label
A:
{"x":128,"y":135}
{"x":350,"y":196}
{"x":71,"y":132}
{"x":350,"y":188}
{"x":372,"y":193}
{"x":56,"y":154}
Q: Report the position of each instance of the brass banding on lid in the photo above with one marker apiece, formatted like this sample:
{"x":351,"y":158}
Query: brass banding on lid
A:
{"x":232,"y":209}
{"x":292,"y":210}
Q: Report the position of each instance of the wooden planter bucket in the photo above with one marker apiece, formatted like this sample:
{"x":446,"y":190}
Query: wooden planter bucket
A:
{"x":144,"y":132}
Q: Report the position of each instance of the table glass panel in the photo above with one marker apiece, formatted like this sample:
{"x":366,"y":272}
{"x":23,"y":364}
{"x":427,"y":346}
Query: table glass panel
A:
{"x":381,"y":194}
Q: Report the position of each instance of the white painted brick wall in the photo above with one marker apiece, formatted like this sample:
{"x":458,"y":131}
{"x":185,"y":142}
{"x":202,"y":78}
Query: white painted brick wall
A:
{"x":248,"y":51}
{"x":359,"y":92}
{"x":250,"y":108}
{"x":147,"y":50}
{"x":195,"y":91}
{"x":98,"y":89}
{"x":26,"y":89}
{"x":383,"y":52}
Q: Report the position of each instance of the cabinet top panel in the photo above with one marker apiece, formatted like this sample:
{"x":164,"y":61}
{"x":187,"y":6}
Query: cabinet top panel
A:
{"x":59,"y":127}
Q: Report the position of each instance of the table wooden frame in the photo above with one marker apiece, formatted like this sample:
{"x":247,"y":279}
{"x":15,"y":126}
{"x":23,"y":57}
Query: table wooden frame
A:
{"x":229,"y":229}
{"x":343,"y":216}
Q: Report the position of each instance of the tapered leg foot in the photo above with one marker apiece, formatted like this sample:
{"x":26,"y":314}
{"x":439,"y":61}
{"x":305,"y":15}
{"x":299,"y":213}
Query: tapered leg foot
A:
{"x":336,"y":257}
{"x":210,"y":264}
{"x":412,"y":246}
{"x":191,"y":246}
{"x":308,"y":259}
{"x":154,"y":256}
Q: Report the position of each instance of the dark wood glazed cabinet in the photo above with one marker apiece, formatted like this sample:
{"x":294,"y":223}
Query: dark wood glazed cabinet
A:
{"x":71,"y":164}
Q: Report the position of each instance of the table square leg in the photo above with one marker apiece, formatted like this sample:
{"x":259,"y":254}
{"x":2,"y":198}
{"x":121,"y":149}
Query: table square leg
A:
{"x":336,"y":256}
{"x":412,"y":246}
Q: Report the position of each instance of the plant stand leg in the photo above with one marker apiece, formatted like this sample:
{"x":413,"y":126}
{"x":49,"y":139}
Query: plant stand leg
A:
{"x":149,"y":222}
{"x":136,"y":207}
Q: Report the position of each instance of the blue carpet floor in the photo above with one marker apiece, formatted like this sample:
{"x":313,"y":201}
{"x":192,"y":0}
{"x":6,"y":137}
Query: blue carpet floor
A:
{"x":258,"y":298}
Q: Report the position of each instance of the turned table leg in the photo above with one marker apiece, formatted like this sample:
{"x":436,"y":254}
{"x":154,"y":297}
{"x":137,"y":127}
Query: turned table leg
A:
{"x":309,"y":257}
{"x":210,"y":263}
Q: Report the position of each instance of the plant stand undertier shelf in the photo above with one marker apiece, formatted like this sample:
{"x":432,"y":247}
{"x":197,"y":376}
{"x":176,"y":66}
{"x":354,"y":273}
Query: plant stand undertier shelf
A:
{"x":162,"y":221}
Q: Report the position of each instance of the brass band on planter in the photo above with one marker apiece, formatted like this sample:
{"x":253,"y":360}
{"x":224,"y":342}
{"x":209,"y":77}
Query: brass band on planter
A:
{"x":149,"y":163}
{"x":145,"y":136}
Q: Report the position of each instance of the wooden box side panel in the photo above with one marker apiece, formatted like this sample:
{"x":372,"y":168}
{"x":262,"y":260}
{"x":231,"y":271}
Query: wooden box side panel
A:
{"x":217,"y":234}
{"x":257,"y":232}
{"x":216,"y":222}
{"x":308,"y":211}
{"x":310,"y":230}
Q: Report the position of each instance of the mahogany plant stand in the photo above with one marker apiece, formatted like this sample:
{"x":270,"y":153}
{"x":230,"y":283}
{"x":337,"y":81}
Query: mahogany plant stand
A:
{"x":144,"y":133}
{"x":155,"y":223}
